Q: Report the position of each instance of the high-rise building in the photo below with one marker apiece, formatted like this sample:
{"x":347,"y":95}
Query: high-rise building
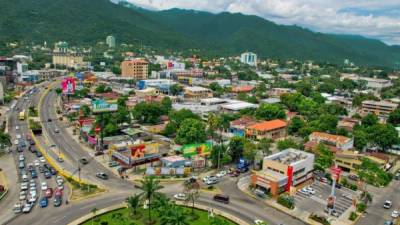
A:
{"x":62,"y":55}
{"x":135,"y":68}
{"x":249,"y":58}
{"x":110,"y":40}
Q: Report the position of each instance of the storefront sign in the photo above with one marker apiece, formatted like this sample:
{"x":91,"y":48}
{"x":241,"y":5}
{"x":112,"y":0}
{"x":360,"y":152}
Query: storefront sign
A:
{"x":99,"y":106}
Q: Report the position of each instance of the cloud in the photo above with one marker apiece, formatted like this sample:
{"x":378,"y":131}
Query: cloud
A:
{"x":373,"y":18}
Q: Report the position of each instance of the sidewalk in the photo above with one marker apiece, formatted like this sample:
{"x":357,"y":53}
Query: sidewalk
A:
{"x":9,"y":178}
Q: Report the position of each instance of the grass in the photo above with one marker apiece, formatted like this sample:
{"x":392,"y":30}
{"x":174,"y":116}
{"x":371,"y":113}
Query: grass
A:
{"x":121,"y":216}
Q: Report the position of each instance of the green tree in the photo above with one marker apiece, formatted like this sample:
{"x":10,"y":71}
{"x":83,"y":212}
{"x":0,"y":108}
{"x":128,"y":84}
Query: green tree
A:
{"x":270,"y":112}
{"x":150,"y":187}
{"x":249,"y":150}
{"x":236,"y":147}
{"x":175,"y":89}
{"x":86,"y":110}
{"x":116,"y":70}
{"x":383,"y":135}
{"x":5,"y":140}
{"x":369,"y":120}
{"x":93,"y":211}
{"x":324,"y":157}
{"x":175,"y":215}
{"x":192,"y":192}
{"x":166,"y":105}
{"x":295,"y":125}
{"x":360,"y":139}
{"x":133,"y":204}
{"x":147,"y":112}
{"x":58,"y":91}
{"x":287,"y":143}
{"x":394,"y":117}
{"x":264,"y":145}
{"x":191,"y":131}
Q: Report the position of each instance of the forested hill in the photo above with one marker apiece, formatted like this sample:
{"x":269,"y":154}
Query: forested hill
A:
{"x":89,"y":21}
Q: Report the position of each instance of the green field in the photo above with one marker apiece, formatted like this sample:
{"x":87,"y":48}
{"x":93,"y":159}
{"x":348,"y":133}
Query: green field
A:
{"x":121,"y":216}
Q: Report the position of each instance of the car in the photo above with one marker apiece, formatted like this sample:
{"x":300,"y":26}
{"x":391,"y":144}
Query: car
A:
{"x":97,"y":153}
{"x":17,"y":208}
{"x":42,"y":159}
{"x":16,"y":127}
{"x":41,"y":169}
{"x":259,"y":222}
{"x":32,"y":183}
{"x":221,"y":198}
{"x":43,"y":202}
{"x":27,"y":208}
{"x":53,"y":171}
{"x":22,"y":195}
{"x":60,"y":186}
{"x":38,"y":154}
{"x":30,"y":167}
{"x":16,"y":142}
{"x":59,"y":180}
{"x":21,"y":157}
{"x":395,"y":214}
{"x":180,"y":196}
{"x":34,"y":174}
{"x":102,"y":175}
{"x":49,"y":120}
{"x":32,"y":199}
{"x":57,"y":201}
{"x":397,"y":176}
{"x":36,"y":162}
{"x":31,"y":142}
{"x":310,"y":190}
{"x":304,"y":191}
{"x":18,"y":136}
{"x":21,"y":165}
{"x":387,"y":204}
{"x":60,"y":159}
{"x":56,"y":131}
{"x":49,"y":193}
{"x":353,"y":177}
{"x":388,"y":222}
{"x":44,"y":186}
{"x":47,"y":174}
{"x":210,"y":182}
{"x":33,"y":193}
{"x":221,"y":174}
{"x":24,"y":186}
{"x":113,"y":164}
{"x":84,"y":161}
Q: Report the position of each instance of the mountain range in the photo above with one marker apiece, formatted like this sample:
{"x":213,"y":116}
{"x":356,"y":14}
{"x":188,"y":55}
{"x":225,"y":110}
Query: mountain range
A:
{"x":84,"y":22}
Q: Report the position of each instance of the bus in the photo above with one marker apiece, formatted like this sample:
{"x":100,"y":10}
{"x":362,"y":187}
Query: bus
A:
{"x":22,"y":115}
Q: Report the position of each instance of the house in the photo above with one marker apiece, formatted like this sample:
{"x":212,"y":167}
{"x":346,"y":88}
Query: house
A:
{"x":348,"y":123}
{"x":273,"y":129}
{"x":336,"y":141}
{"x":197,"y":93}
{"x":242,"y":89}
{"x":283,"y":170}
{"x":277,"y":92}
{"x":238,"y":127}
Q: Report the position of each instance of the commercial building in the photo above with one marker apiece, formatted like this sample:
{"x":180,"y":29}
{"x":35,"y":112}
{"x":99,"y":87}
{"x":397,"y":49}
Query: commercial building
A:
{"x":110,"y":41}
{"x":337,"y":141}
{"x":373,"y":83}
{"x":273,"y":129}
{"x":135,"y":68}
{"x":277,"y":92}
{"x":380,"y":108}
{"x":196,"y":93}
{"x":236,"y":106}
{"x":249,"y":58}
{"x":162,"y":85}
{"x":64,"y":56}
{"x":283,"y":170}
{"x":238,"y":127}
{"x":350,"y":161}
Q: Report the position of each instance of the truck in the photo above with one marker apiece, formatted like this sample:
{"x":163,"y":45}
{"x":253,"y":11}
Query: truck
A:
{"x":243,"y":165}
{"x":22,"y":115}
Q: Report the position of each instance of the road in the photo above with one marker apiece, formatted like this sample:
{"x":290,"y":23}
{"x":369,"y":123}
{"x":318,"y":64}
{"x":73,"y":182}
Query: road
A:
{"x":376,"y":214}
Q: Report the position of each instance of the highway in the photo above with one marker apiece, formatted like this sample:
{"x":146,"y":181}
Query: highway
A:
{"x":241,"y":205}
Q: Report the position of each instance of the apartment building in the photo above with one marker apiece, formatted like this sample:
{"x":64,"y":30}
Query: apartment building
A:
{"x":380,"y":108}
{"x":197,"y":93}
{"x":283,"y":170}
{"x":273,"y":129}
{"x":135,"y":68}
{"x":334,"y":142}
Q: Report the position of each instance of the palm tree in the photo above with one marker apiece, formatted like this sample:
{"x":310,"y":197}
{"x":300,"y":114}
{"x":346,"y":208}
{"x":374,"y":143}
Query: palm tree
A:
{"x":94,"y":210}
{"x":192,"y":192}
{"x":175,"y":215}
{"x":218,"y":221}
{"x":133,"y":204}
{"x":150,"y":187}
{"x":161,"y":203}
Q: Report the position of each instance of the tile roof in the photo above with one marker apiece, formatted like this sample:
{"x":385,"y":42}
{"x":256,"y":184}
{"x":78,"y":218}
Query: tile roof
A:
{"x":245,"y":121}
{"x":247,"y":88}
{"x":330,"y":137}
{"x":268,"y":125}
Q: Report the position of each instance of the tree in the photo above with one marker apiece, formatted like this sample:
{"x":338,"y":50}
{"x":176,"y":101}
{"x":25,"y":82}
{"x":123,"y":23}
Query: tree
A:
{"x":191,"y":131}
{"x":116,"y":69}
{"x":5,"y":140}
{"x":236,"y":147}
{"x":394,"y":117}
{"x":360,"y":139}
{"x":110,"y":129}
{"x":147,"y":112}
{"x":175,"y":215}
{"x":324,"y":157}
{"x":102,"y":88}
{"x":287,"y":143}
{"x":264,"y":145}
{"x":133,"y":204}
{"x":175,"y":89}
{"x":219,"y":156}
{"x":270,"y":112}
{"x":58,"y":91}
{"x":85,"y":110}
{"x":150,"y":187}
{"x":192,"y":192}
{"x":249,"y":150}
{"x":295,"y":125}
{"x":369,"y":120}
{"x":166,"y":105}
{"x":383,"y":135}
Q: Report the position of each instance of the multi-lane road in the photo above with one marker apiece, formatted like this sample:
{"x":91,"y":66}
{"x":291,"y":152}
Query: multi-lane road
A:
{"x":241,"y":205}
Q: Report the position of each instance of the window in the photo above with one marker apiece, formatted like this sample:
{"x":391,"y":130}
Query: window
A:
{"x":299,"y":171}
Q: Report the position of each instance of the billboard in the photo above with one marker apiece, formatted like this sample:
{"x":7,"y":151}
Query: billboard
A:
{"x":99,"y":106}
{"x":196,"y":149}
{"x":68,"y":85}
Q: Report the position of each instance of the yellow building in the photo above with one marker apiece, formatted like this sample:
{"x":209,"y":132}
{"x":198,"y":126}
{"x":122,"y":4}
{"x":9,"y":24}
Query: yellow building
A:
{"x":136,"y":69}
{"x":350,"y":161}
{"x":62,"y":55}
{"x":196,"y":93}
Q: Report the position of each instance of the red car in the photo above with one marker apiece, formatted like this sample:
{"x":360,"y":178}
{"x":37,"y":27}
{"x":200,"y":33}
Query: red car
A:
{"x":49,"y":193}
{"x":58,"y":192}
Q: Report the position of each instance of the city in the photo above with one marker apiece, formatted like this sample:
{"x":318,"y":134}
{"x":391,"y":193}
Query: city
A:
{"x":110,"y":128}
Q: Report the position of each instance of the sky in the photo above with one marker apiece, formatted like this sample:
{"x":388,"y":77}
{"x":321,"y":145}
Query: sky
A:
{"x":378,"y":19}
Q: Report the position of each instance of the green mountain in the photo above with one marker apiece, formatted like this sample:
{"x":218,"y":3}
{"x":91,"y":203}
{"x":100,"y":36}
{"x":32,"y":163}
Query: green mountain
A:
{"x":89,"y":21}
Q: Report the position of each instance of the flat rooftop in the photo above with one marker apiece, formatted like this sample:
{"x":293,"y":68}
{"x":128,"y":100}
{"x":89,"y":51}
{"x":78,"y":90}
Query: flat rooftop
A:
{"x":289,"y":156}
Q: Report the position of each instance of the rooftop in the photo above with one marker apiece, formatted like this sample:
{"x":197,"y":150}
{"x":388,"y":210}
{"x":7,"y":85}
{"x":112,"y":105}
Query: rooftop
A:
{"x":268,"y":125}
{"x":239,"y":106}
{"x":381,"y":103}
{"x":196,"y":88}
{"x":330,"y":137}
{"x":289,"y":156}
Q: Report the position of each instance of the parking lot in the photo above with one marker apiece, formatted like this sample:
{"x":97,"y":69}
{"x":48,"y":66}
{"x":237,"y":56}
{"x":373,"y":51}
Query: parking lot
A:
{"x":317,"y":202}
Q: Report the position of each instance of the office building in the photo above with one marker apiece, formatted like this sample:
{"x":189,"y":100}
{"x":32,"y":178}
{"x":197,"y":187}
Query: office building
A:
{"x":380,"y":108}
{"x":110,"y":41}
{"x":283,"y":170}
{"x":273,"y":129}
{"x":333,"y":142}
{"x":64,"y":56}
{"x":249,"y":58}
{"x":135,"y":68}
{"x":197,"y":93}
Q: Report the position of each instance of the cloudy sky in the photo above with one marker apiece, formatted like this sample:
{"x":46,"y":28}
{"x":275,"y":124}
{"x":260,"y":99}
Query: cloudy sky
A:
{"x":372,"y":18}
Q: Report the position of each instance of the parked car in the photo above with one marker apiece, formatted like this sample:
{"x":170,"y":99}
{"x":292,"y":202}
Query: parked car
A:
{"x":43,"y":202}
{"x":395,"y":214}
{"x":17,"y":208}
{"x":353,"y":177}
{"x":47,"y":174}
{"x":387,"y":204}
{"x":27,"y":208}
{"x":37,"y":163}
{"x":57,"y":201}
{"x":49,"y":192}
{"x":221,"y":198}
{"x":22,"y":195}
{"x":113,"y":164}
{"x":102,"y":175}
{"x":388,"y":222}
{"x":310,"y":190}
{"x":34,"y":174}
{"x":21,"y":165}
{"x":180,"y":196}
{"x":38,"y":154}
{"x":84,"y":161}
{"x":42,"y":159}
{"x":221,"y":174}
{"x":44,"y":186}
{"x":60,"y":159}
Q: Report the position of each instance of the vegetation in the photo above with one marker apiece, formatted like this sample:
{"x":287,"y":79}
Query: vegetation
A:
{"x":191,"y":131}
{"x":320,"y":219}
{"x":287,"y":143}
{"x":286,"y":201}
{"x":361,"y":207}
{"x":324,"y":157}
{"x":371,"y":173}
{"x":353,"y":216}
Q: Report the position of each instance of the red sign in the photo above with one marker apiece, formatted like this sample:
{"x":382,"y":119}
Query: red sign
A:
{"x":68,"y":85}
{"x":335,"y":171}
{"x":97,"y":129}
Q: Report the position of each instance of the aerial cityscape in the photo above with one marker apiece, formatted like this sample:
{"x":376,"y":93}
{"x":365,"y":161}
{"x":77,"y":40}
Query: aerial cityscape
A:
{"x":176,"y":112}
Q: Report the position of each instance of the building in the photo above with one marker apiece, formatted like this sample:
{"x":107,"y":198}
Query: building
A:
{"x":162,"y":85}
{"x":63,"y":56}
{"x":350,"y":161}
{"x":135,"y":68}
{"x":348,"y":123}
{"x":273,"y":129}
{"x":249,"y":58}
{"x":197,"y":93}
{"x":110,"y":41}
{"x":373,"y":83}
{"x":380,"y":108}
{"x":277,"y":92}
{"x":242,"y":89}
{"x":337,"y":141}
{"x":236,"y":106}
{"x":238,"y":127}
{"x":283,"y":170}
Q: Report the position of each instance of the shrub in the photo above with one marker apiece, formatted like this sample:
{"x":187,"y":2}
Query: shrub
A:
{"x":320,"y":219}
{"x":361,"y":207}
{"x":286,"y":201}
{"x":353,"y":216}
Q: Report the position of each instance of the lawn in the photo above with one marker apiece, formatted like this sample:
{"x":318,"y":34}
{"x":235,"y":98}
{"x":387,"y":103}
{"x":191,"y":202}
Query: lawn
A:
{"x":121,"y":216}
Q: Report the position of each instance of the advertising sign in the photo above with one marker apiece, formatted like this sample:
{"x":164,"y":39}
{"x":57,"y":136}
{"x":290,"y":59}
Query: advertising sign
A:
{"x":196,"y":149}
{"x":99,"y":106}
{"x":121,"y":157}
{"x":68,"y":85}
{"x":92,"y":140}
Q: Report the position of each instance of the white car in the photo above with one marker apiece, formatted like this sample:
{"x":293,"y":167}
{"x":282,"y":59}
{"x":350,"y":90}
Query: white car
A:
{"x":32,"y":199}
{"x":395,"y":214}
{"x":16,"y":127}
{"x":22,"y":195}
{"x":310,"y":190}
{"x":44,"y":186}
{"x":42,"y":159}
{"x":17,"y":208}
{"x":221,"y":174}
{"x":21,"y":157}
{"x":33,"y":193}
{"x":27,"y":208}
{"x":16,"y":142}
{"x":18,"y":136}
{"x":180,"y":196}
{"x":24,"y":186}
{"x":259,"y":222}
{"x":37,"y":163}
{"x":206,"y":178}
{"x":304,"y":191}
{"x":387,"y":204}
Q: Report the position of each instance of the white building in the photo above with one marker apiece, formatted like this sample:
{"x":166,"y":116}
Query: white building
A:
{"x":249,"y":58}
{"x":110,"y":41}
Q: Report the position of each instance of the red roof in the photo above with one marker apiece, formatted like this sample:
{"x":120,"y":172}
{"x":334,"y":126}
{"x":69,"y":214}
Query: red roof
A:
{"x":268,"y":125}
{"x":244,"y":121}
{"x":243,"y":89}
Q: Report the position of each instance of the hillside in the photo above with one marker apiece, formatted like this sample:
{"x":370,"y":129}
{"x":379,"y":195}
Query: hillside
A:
{"x":89,"y":21}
